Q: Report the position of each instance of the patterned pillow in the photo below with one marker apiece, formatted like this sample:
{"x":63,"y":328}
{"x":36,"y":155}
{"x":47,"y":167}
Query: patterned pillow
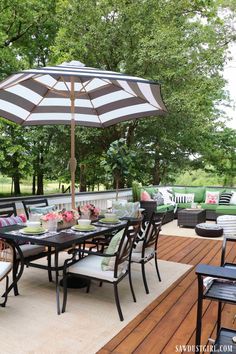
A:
{"x":225,"y":198}
{"x":184,"y":198}
{"x":159,"y":198}
{"x":212,"y":197}
{"x":12,"y":220}
{"x":108,"y":263}
{"x":42,"y":210}
{"x":167,"y":195}
{"x":128,"y":209}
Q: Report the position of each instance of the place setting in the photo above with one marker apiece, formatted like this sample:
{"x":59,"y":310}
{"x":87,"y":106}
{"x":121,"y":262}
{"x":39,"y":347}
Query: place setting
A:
{"x":84,"y":225}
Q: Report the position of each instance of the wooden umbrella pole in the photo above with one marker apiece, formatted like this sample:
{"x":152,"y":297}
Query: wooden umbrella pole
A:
{"x":72,"y":147}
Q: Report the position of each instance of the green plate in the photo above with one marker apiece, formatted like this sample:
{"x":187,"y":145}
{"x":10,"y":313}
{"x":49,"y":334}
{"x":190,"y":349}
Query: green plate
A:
{"x":33,"y":230}
{"x":83,"y":228}
{"x":109,"y":221}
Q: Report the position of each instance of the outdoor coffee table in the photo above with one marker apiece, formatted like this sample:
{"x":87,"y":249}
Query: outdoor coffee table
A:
{"x":191,"y":217}
{"x":58,"y":241}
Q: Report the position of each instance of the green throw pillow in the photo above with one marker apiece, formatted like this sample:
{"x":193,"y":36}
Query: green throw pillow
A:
{"x":181,"y":190}
{"x":108,"y":263}
{"x":199,"y":193}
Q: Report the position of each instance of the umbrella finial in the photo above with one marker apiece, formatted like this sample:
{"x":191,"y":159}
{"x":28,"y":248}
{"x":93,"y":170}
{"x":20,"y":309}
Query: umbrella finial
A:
{"x":73,"y":63}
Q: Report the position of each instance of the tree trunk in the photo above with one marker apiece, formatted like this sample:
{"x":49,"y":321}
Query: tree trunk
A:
{"x":156,"y":176}
{"x":117,"y":187}
{"x":16,"y":177}
{"x":40,"y":183}
{"x":82,"y":181}
{"x":16,"y":182}
{"x":34,"y":185}
{"x":40,"y":190}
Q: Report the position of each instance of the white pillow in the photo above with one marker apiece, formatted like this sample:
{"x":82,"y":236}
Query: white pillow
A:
{"x":167,"y":196}
{"x":184,"y":198}
{"x":233,"y":198}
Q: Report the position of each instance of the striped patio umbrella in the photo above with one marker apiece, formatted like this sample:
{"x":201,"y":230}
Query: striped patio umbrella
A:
{"x":72,"y":93}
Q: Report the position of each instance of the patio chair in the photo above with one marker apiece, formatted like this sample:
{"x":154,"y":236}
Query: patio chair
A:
{"x":7,"y":210}
{"x":38,"y":203}
{"x":6,"y":266}
{"x":145,"y":247}
{"x":111,"y":268}
{"x":30,"y":252}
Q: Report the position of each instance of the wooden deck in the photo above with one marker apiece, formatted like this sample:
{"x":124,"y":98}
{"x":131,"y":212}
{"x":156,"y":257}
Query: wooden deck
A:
{"x":170,"y":320}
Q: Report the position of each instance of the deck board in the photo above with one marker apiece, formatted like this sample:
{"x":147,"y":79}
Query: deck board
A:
{"x":170,"y":319}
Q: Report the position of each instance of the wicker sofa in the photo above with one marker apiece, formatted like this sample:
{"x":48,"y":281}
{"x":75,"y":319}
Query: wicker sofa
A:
{"x":212,"y":210}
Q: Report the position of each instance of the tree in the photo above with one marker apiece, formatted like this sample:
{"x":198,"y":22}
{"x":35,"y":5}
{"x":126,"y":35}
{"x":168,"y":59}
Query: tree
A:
{"x":118,"y":161}
{"x":220,"y":155}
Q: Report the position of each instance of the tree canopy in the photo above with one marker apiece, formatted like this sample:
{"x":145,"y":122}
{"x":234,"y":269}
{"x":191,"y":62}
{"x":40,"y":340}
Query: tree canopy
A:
{"x":182,"y":44}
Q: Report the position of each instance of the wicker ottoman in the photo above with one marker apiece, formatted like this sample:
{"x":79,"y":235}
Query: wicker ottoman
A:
{"x":209,"y":230}
{"x":228,"y":223}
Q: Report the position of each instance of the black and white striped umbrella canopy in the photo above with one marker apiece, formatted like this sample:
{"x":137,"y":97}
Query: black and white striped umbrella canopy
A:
{"x":72,"y":93}
{"x":102,"y":98}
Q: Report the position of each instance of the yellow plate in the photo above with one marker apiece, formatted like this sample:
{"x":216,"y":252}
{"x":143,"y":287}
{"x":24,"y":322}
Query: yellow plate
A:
{"x":83,"y":228}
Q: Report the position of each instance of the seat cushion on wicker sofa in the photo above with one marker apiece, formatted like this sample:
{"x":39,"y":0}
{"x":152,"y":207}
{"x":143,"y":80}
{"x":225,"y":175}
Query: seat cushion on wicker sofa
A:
{"x":228,"y":222}
{"x":91,"y":266}
{"x":226,"y":209}
{"x":184,"y":205}
{"x":164,"y":208}
{"x":207,"y":206}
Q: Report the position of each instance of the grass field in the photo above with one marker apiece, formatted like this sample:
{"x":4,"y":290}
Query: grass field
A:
{"x":26,"y":187}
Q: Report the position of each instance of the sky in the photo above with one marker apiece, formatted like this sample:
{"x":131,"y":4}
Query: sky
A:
{"x":230,"y":76}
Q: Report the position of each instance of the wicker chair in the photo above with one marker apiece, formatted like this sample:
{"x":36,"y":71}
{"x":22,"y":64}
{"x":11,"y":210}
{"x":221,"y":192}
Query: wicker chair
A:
{"x":6,"y":265}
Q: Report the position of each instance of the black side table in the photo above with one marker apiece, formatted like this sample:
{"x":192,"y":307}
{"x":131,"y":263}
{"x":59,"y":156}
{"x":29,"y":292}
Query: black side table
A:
{"x":223,"y":290}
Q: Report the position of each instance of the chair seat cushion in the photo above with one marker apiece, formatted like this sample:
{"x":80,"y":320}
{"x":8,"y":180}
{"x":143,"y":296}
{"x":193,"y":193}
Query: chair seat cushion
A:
{"x":31,"y":250}
{"x":91,"y":266}
{"x":5,"y":267}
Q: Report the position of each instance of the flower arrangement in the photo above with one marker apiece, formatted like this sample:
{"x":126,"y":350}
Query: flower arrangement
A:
{"x":89,"y":210}
{"x":65,"y":218}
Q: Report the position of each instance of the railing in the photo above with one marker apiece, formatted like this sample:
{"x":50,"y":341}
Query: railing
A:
{"x":101,"y":200}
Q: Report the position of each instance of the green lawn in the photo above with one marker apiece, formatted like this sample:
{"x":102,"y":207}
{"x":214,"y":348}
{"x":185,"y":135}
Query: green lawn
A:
{"x":26,"y":187}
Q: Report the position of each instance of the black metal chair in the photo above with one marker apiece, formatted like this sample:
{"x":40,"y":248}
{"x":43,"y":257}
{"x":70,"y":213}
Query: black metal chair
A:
{"x":145,"y":246}
{"x":33,"y":202}
{"x":6,"y":265}
{"x":89,"y":267}
{"x":30,"y":252}
{"x":7,"y":210}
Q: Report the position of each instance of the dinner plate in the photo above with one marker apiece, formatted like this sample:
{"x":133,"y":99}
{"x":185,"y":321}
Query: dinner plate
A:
{"x":109,"y":221}
{"x":30,"y":232}
{"x":83,"y":228}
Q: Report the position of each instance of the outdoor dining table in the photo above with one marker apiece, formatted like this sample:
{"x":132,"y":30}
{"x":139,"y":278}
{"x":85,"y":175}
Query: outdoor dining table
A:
{"x":58,"y":241}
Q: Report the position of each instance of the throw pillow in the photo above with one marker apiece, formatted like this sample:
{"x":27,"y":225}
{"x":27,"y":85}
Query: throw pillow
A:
{"x":184,"y":198}
{"x":129,"y":209}
{"x":233,"y":198}
{"x":108,"y":263}
{"x":225,"y":198}
{"x":167,"y":195}
{"x":12,"y":220}
{"x":145,"y":196}
{"x":159,"y":198}
{"x":212,"y":197}
{"x":42,"y":210}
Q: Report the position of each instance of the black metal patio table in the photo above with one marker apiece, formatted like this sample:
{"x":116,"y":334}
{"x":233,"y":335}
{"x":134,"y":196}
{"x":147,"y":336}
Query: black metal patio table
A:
{"x":58,"y":241}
